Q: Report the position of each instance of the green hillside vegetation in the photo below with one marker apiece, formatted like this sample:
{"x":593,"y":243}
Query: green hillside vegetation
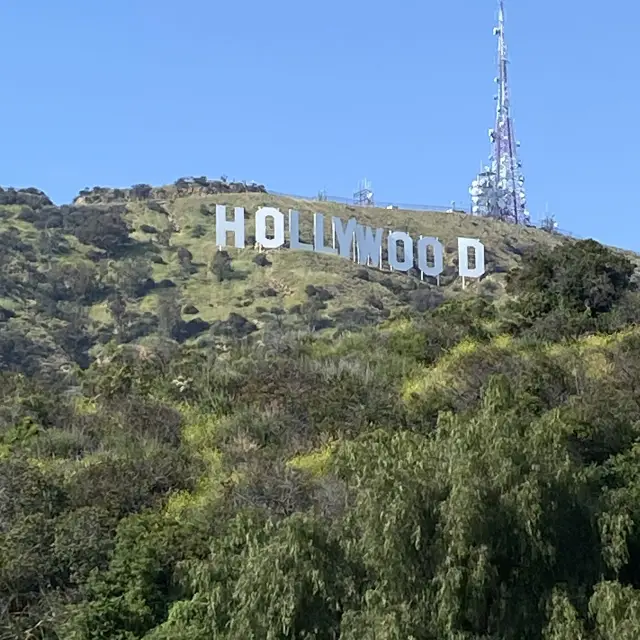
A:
{"x":319,"y":450}
{"x":119,"y":262}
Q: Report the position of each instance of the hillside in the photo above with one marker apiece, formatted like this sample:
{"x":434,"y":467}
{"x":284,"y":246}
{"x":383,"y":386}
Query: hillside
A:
{"x":104,"y":263}
{"x":318,"y":450}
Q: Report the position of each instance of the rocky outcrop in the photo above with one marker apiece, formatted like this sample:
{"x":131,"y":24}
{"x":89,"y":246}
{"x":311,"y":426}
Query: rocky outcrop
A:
{"x":179,"y":189}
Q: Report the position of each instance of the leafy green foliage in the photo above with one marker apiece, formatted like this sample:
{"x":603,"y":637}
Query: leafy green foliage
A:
{"x":399,"y":468}
{"x":569,"y":286}
{"x":104,"y":228}
{"x":169,"y":313}
{"x":132,"y":276}
{"x":220,"y":265}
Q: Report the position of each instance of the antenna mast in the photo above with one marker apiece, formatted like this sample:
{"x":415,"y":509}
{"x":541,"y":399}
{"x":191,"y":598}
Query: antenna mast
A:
{"x":364,"y":195}
{"x":498,"y":191}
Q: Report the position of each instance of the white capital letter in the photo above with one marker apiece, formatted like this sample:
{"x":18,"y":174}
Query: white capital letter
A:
{"x":223,"y":225}
{"x":438,"y":261}
{"x":392,"y":247}
{"x":464,"y":244}
{"x":294,"y":232}
{"x":369,"y":246}
{"x":261,"y":227}
{"x":345,"y":235}
{"x":318,"y":235}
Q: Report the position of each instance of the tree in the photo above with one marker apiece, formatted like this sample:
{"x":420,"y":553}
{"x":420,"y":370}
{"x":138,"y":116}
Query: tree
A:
{"x":581,"y":277}
{"x":164,"y":237}
{"x":220,"y":265}
{"x":106,"y":229}
{"x":310,"y":313}
{"x":182,"y":185}
{"x":118,"y":310}
{"x":133,"y":276}
{"x":52,"y":242}
{"x":141,"y":191}
{"x":81,"y":282}
{"x":549,"y":224}
{"x":169,"y":314}
{"x":184,"y":258}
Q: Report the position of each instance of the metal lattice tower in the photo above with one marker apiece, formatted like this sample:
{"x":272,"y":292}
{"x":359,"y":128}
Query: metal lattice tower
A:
{"x":498,"y":191}
{"x":364,"y":195}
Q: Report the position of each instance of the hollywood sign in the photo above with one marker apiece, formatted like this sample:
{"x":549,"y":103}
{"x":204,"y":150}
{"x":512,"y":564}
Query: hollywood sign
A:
{"x":351,"y":240}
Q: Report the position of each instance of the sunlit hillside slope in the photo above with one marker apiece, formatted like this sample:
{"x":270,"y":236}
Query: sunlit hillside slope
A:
{"x":285,"y":446}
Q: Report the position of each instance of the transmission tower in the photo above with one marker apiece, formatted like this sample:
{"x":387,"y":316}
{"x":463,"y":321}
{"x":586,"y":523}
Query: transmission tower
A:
{"x":364,"y":195}
{"x":498,"y":190}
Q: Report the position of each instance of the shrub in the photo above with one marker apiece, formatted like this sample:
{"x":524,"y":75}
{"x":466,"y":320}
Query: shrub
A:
{"x":578,"y":276}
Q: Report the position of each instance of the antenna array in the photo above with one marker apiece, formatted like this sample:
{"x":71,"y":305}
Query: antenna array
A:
{"x":363,"y":197}
{"x":498,"y":190}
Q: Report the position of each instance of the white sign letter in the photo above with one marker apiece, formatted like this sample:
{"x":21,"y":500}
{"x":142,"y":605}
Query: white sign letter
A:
{"x":318,"y":235}
{"x":294,"y":232}
{"x":369,"y":246}
{"x":223,"y":225}
{"x":392,"y":247}
{"x":438,"y":261}
{"x":261,"y":227}
{"x":464,"y":244}
{"x":345,"y":235}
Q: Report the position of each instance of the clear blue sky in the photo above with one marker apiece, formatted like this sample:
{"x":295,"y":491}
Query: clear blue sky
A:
{"x":303,"y":96}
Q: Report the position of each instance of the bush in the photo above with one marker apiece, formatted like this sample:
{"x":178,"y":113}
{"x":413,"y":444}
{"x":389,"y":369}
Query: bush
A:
{"x":133,"y":276}
{"x":581,"y":277}
{"x":220,"y":265}
{"x":104,"y":228}
{"x":235,"y":327}
{"x":198,"y":231}
{"x":141,"y":191}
